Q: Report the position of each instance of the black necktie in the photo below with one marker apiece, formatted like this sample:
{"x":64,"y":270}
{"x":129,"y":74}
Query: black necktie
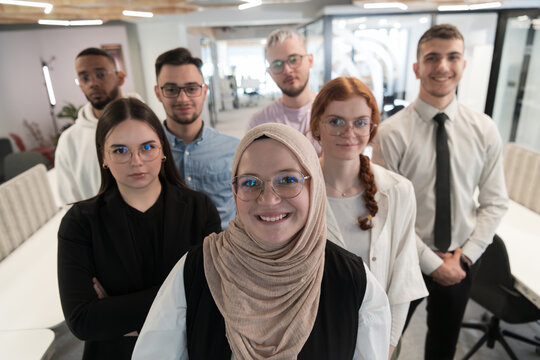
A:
{"x":443,"y":229}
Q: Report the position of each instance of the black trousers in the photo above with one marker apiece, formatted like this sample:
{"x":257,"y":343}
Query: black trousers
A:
{"x":445,"y":309}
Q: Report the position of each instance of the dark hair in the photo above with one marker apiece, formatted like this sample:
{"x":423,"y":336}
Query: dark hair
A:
{"x":96,"y":51}
{"x":340,"y":89}
{"x":130,"y":108}
{"x":178,"y":56}
{"x":442,"y":31}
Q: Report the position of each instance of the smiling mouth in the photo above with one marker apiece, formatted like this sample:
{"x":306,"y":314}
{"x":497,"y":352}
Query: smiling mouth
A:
{"x":273,"y":218}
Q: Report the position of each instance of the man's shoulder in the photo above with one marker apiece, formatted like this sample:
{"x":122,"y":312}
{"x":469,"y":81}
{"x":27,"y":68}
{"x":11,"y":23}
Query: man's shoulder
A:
{"x":220,"y":140}
{"x":266,"y":114}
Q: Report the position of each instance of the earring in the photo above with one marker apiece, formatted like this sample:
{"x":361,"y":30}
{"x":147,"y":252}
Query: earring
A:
{"x":105,"y":166}
{"x":163,"y":158}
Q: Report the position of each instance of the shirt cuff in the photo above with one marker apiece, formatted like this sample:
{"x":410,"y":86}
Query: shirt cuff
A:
{"x":429,"y":262}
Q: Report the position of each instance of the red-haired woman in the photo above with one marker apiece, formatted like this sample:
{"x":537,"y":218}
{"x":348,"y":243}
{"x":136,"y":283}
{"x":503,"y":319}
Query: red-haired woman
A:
{"x":371,"y":210}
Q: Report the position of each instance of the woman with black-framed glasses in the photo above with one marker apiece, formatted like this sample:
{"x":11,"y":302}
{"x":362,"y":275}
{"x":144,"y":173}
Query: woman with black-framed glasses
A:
{"x":270,"y":286}
{"x":115,"y":250}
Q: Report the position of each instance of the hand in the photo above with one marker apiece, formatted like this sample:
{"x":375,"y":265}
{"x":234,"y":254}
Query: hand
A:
{"x":100,"y":290}
{"x":450,"y":272}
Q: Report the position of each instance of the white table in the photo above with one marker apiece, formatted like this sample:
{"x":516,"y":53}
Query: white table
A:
{"x":29,"y":297}
{"x":26,"y":344}
{"x":520,"y":231}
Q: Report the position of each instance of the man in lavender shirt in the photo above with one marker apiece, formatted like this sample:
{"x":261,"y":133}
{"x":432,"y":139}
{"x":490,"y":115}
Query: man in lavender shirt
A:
{"x":289,"y":68}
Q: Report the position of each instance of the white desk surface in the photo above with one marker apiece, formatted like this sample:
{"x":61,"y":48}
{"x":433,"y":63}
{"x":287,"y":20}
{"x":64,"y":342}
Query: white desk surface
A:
{"x":520,"y":231}
{"x":29,"y":297}
{"x":26,"y":344}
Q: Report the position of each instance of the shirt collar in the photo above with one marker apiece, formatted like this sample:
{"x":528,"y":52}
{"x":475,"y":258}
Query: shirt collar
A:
{"x":174,"y":140}
{"x":427,"y":112}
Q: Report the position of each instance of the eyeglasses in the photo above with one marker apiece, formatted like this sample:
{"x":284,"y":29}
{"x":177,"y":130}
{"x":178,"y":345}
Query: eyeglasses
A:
{"x":294,"y":61}
{"x":97,"y":76}
{"x":122,"y":154}
{"x":337,"y":126}
{"x":286,"y":185}
{"x":172,"y":91}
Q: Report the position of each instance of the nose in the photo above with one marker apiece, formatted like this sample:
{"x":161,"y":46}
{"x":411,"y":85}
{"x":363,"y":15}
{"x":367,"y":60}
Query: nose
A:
{"x":349,"y":131}
{"x":268,"y":196}
{"x":135,"y":158}
{"x":443,"y":64}
{"x":182,"y":95}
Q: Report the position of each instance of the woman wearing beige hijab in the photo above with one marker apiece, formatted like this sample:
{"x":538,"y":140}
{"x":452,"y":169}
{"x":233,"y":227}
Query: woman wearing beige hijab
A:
{"x":271,"y":286}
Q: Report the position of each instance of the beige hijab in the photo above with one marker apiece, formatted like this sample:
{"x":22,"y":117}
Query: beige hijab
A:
{"x":269,"y":296}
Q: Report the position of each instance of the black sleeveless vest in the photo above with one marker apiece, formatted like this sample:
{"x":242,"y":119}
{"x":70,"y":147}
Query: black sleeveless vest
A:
{"x":336,"y":325}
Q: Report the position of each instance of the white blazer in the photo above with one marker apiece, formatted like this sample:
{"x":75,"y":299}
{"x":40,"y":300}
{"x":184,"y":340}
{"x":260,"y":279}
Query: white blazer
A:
{"x":393,"y":258}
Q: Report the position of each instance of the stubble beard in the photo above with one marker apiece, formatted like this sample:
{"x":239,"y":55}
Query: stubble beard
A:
{"x":111,"y":96}
{"x":294,"y":92}
{"x":184,"y":121}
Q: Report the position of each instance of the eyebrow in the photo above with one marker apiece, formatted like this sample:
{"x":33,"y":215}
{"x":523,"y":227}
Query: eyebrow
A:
{"x":95,"y":69}
{"x":184,"y":84}
{"x":361,"y":117}
{"x":141,"y":144}
{"x":277,"y":172}
{"x":445,"y":54}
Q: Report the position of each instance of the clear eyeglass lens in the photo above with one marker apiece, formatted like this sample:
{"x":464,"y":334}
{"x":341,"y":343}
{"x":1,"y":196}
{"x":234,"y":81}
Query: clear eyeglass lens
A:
{"x":339,"y":126}
{"x":146,"y":152}
{"x":286,"y":185}
{"x":174,"y":91}
{"x":278,"y":65}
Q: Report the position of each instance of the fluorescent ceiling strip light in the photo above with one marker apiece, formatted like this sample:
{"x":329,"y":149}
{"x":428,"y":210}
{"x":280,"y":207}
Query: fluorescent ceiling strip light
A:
{"x":48,"y":83}
{"x":386,"y":5}
{"x":489,"y":5}
{"x":70,"y":22}
{"x":146,"y":14}
{"x":453,"y":7}
{"x":47,"y":8}
{"x":53,"y":22}
{"x":249,"y":4}
{"x":85,"y":22}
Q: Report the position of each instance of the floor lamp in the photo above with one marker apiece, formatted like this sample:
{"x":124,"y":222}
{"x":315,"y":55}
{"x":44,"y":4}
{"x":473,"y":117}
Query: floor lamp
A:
{"x":50,"y":92}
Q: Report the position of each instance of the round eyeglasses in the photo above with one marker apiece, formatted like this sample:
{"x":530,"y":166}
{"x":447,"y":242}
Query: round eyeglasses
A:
{"x":122,"y":154}
{"x":337,"y":126}
{"x":285,"y":184}
{"x":172,"y":91}
{"x":84,"y":78}
{"x":294,"y":61}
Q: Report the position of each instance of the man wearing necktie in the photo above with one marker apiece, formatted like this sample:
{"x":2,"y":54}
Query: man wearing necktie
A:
{"x":448,"y":151}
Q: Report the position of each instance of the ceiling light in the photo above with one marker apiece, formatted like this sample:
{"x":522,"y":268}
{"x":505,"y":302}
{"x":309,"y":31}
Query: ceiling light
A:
{"x":423,"y":20}
{"x":386,"y":5}
{"x":137,"y":13}
{"x":453,"y":7}
{"x":249,"y":4}
{"x":47,"y":8}
{"x":489,"y":5}
{"x":70,"y":22}
{"x":53,"y":22}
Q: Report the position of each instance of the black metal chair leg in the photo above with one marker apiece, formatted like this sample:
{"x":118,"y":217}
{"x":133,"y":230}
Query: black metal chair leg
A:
{"x":476,"y":346}
{"x":520,"y":338}
{"x":507,"y":347}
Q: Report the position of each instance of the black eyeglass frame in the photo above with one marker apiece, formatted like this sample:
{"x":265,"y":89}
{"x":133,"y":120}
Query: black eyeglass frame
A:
{"x":182,"y":88}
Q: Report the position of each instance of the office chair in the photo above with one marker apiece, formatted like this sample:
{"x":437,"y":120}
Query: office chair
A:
{"x":493,"y":288}
{"x":5,"y":149}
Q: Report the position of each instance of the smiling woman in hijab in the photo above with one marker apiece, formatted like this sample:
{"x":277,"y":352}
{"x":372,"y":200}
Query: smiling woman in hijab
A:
{"x":271,"y":286}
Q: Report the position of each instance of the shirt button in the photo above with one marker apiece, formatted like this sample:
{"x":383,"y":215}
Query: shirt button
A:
{"x":187,"y":152}
{"x":373,"y":258}
{"x":189,"y":178}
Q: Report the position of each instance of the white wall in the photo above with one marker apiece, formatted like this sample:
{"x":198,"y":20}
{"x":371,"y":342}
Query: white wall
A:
{"x":24,"y":95}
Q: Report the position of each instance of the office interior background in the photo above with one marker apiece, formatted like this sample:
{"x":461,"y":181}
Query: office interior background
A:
{"x":376,"y":45}
{"x":502,"y":77}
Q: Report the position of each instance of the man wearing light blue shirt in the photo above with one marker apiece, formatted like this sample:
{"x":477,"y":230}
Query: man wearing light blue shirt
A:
{"x":203,"y":155}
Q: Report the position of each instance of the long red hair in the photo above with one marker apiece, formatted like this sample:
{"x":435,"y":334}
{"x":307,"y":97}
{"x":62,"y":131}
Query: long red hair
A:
{"x":341,"y":89}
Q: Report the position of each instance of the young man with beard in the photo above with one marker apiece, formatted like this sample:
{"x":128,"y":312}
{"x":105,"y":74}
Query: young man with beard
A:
{"x":449,"y":152}
{"x":289,"y":66}
{"x":76,"y":161}
{"x":203,"y":155}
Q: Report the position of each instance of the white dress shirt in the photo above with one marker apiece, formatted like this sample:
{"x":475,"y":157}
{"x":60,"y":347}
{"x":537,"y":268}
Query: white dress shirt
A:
{"x":407,"y":146}
{"x":164,"y":336}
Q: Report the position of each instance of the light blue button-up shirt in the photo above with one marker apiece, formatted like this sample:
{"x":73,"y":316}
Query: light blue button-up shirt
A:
{"x":206,"y":165}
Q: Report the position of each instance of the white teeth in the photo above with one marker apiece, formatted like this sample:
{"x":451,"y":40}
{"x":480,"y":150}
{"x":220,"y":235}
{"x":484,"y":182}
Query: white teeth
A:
{"x":273,"y":218}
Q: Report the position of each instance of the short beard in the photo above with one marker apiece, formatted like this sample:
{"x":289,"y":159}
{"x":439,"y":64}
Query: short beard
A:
{"x":178,"y":120}
{"x":110,"y":97}
{"x":294,"y":92}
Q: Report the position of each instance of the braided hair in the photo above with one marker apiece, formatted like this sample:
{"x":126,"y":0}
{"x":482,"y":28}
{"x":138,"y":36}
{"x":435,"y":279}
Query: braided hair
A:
{"x":340,"y":89}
